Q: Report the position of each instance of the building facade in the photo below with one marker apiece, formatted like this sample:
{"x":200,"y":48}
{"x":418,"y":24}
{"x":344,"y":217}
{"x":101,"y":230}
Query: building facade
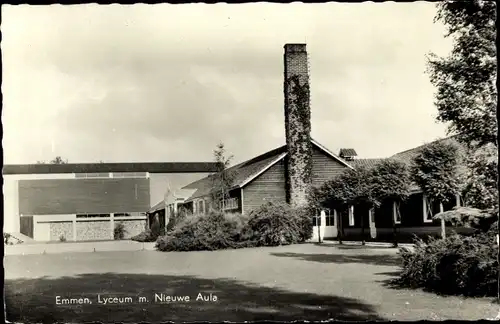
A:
{"x":81,"y":202}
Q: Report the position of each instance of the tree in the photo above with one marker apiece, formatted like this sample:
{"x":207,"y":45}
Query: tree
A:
{"x":56,"y":160}
{"x":435,"y":170}
{"x":222,"y":180}
{"x":466,"y":95}
{"x":391,"y":181}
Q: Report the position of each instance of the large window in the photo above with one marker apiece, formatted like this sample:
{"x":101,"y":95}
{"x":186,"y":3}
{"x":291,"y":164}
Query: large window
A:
{"x":92,"y":215}
{"x":351,"y":215}
{"x":231,"y":203}
{"x":130,"y":174}
{"x":92,"y":175}
{"x":129,"y":214}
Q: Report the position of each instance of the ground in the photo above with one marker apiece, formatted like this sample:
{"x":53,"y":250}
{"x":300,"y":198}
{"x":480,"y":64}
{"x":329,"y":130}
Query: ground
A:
{"x":304,"y":281}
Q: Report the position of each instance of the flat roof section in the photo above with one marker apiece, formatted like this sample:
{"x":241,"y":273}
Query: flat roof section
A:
{"x":151,"y":167}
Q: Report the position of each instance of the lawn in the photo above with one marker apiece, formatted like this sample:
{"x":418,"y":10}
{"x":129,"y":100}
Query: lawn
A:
{"x":307,"y":282}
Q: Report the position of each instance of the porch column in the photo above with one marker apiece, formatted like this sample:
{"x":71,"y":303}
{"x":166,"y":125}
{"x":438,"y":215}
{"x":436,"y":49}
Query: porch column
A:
{"x":74,"y":227}
{"x":424,"y":208}
{"x":371,"y":219}
{"x":457,"y":200}
{"x":443,"y":225}
{"x":112,"y":224}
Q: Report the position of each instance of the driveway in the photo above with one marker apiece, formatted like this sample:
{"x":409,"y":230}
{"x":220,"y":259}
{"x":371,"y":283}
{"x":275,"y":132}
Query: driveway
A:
{"x":300,"y":282}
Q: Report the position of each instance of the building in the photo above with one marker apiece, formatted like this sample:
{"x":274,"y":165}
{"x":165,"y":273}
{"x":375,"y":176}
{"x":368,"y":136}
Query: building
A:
{"x":78,"y":202}
{"x":285,"y":173}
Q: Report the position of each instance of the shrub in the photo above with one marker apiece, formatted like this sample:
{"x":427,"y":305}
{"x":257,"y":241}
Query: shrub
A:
{"x":459,"y":265}
{"x":277,"y":224}
{"x":145,"y":236}
{"x":120,"y":231}
{"x":214,"y":231}
{"x":62,"y":238}
{"x":175,"y":219}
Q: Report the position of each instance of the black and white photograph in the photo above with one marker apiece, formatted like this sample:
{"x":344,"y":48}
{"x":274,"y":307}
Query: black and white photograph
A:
{"x":250,"y":162}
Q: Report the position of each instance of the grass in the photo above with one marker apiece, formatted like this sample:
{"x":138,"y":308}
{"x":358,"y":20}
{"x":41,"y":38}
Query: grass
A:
{"x":300,"y":282}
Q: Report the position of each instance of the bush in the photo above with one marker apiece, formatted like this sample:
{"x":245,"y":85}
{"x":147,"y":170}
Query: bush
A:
{"x":175,"y":219}
{"x":145,"y":236}
{"x":119,"y":231}
{"x":277,"y":224}
{"x":458,"y":265}
{"x":205,"y":232}
{"x":62,"y":238}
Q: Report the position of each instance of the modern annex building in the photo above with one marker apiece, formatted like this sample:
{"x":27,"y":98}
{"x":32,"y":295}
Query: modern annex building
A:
{"x":74,"y":202}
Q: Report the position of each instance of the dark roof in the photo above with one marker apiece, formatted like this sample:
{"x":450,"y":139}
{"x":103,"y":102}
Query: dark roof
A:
{"x":152,"y":167}
{"x":347,"y":152}
{"x":367,"y":163}
{"x":248,"y":170}
{"x":241,"y":172}
{"x":408,"y":155}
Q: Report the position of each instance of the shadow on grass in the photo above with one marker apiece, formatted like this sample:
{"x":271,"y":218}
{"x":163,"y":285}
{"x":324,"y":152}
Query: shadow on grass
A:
{"x":381,"y":259}
{"x":34,"y":300}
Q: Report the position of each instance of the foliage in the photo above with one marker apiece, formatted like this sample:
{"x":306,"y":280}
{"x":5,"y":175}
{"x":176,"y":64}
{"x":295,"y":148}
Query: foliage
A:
{"x":62,"y":238}
{"x":210,"y":232}
{"x":481,"y":190}
{"x":274,"y":224}
{"x":459,"y":265}
{"x":390,"y":180}
{"x":145,"y":236}
{"x":469,"y":217}
{"x":176,"y":219}
{"x":223,"y":179}
{"x":466,"y":95}
{"x":56,"y":160}
{"x":119,"y":231}
{"x":435,"y":170}
{"x":156,"y":229}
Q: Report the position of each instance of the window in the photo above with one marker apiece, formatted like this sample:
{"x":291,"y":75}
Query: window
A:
{"x":134,"y":214}
{"x":316,"y":220}
{"x":231,"y":203}
{"x":396,"y":213}
{"x":92,"y":175}
{"x":201,"y":206}
{"x":351,"y":215}
{"x":130,"y":174}
{"x":427,"y":207}
{"x":92,"y":215}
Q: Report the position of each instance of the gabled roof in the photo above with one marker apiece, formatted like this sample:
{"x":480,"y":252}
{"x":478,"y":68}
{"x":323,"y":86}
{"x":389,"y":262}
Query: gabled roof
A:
{"x":247,"y":171}
{"x":366,"y":163}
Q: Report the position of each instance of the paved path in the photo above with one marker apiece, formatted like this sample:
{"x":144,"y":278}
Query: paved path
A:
{"x":70,"y":247}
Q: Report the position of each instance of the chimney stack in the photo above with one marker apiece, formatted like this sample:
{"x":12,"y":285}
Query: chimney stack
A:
{"x":297,"y":124}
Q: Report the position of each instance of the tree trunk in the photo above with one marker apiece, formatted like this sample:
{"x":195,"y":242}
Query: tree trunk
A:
{"x":339,"y":226}
{"x":443,"y":228}
{"x":362,"y":230}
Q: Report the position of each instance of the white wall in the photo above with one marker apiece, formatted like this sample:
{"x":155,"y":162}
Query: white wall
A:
{"x":11,"y":196}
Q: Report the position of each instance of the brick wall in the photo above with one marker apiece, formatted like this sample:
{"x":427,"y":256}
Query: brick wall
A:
{"x":297,"y":124}
{"x":61,"y":228}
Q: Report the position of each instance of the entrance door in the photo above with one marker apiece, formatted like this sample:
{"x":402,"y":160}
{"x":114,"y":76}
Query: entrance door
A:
{"x":26,"y":225}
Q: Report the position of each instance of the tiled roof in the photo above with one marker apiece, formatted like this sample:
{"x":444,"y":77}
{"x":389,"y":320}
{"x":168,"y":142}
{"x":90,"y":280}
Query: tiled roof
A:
{"x":241,"y":172}
{"x":408,"y":155}
{"x":367,"y":163}
{"x":152,"y":167}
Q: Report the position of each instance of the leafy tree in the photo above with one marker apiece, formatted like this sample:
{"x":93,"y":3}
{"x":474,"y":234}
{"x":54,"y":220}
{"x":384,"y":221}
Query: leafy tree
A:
{"x":436,"y":171}
{"x":481,"y":190}
{"x":391,"y":181}
{"x":223,"y":179}
{"x":56,"y":160}
{"x":466,"y":95}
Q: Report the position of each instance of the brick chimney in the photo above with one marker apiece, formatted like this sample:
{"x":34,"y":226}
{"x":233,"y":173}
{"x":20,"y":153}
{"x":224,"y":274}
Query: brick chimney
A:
{"x":297,"y":124}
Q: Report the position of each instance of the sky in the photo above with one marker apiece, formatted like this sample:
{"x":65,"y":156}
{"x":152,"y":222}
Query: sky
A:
{"x":166,"y":83}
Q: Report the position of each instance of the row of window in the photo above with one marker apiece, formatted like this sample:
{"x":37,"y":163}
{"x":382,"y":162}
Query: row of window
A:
{"x":109,"y":215}
{"x":115,"y":175}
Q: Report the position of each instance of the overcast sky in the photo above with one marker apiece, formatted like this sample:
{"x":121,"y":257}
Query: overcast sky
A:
{"x":168,"y":82}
